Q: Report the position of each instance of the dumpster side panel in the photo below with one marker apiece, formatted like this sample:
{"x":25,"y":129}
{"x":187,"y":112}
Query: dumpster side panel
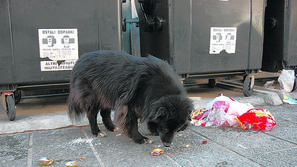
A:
{"x":108,"y":20}
{"x":97,"y":23}
{"x":6,"y":59}
{"x":257,"y":34}
{"x":208,"y":36}
{"x":219,"y":14}
{"x":181,"y":34}
{"x":290,"y":36}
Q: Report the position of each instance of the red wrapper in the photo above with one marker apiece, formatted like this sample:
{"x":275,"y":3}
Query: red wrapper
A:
{"x":256,"y":118}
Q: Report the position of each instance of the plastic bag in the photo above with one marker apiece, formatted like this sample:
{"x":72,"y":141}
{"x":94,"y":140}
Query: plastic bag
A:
{"x":219,"y":98}
{"x":256,"y":118}
{"x":221,"y":111}
{"x":224,"y":110}
{"x":218,"y":113}
{"x":197,"y":117}
{"x":286,"y":80}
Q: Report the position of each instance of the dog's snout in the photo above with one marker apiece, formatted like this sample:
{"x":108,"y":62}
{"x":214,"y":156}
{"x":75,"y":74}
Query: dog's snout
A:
{"x":166,"y":144}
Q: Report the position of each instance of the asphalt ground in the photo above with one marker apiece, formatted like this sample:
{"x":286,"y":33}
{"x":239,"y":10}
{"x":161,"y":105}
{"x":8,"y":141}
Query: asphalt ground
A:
{"x":30,"y":137}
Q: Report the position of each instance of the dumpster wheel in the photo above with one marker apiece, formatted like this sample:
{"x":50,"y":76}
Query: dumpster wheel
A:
{"x":248,"y":85}
{"x":211,"y":83}
{"x":295,"y":84}
{"x":17,"y":96}
{"x":10,"y":107}
{"x":295,"y":81}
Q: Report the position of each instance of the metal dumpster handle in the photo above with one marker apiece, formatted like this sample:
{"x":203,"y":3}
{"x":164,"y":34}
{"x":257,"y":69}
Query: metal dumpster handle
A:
{"x":145,"y":9}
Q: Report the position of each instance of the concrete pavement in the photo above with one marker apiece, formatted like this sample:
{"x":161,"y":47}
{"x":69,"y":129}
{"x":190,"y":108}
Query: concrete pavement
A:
{"x":225,"y":147}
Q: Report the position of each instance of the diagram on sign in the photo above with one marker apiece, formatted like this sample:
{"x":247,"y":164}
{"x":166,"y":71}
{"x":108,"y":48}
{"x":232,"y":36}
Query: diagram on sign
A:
{"x":58,"y":49}
{"x":222,"y":39}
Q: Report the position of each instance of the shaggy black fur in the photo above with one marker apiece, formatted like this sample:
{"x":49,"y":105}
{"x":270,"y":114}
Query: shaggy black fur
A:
{"x":144,"y":88}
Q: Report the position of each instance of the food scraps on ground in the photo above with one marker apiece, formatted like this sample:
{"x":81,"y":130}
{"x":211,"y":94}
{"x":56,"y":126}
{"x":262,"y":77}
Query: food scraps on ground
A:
{"x":187,"y":146}
{"x":45,"y":161}
{"x":204,"y":142}
{"x":71,"y":164}
{"x":157,"y":151}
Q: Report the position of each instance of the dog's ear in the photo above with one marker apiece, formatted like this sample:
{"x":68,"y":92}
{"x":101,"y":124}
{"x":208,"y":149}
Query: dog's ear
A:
{"x":158,"y":60}
{"x":161,"y":113}
{"x":153,"y":57}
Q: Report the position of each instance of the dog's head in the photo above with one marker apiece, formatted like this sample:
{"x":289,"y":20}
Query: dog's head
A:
{"x":169,"y":115}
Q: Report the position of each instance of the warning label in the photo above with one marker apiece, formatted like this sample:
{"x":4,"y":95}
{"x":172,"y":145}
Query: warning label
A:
{"x":57,"y":65}
{"x":222,"y":39}
{"x":59,"y":48}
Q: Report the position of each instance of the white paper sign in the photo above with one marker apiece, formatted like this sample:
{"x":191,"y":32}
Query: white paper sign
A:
{"x":58,"y":48}
{"x":222,"y":39}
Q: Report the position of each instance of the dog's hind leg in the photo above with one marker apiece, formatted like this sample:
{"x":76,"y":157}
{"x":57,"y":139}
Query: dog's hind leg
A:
{"x":92,"y":117}
{"x":105,"y":114}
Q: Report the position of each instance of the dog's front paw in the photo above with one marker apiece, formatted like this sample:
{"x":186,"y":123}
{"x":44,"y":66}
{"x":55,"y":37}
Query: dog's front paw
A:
{"x":101,"y":134}
{"x":116,"y":129}
{"x":148,"y":141}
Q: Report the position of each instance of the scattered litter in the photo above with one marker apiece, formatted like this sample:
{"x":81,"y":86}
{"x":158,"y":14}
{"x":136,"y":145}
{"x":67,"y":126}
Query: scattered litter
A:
{"x":289,"y":100}
{"x":71,"y":164}
{"x":220,"y":112}
{"x":180,"y":135}
{"x":204,"y":142}
{"x":286,"y":80}
{"x":157,"y":151}
{"x":257,"y":119}
{"x":119,"y":134}
{"x":269,"y":84}
{"x":239,"y":145}
{"x":187,"y":146}
{"x":198,"y":113}
{"x":82,"y":158}
{"x":45,"y":161}
{"x":225,"y":112}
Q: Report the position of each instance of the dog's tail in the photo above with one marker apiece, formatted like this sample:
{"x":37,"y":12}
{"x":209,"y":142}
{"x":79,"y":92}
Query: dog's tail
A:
{"x":75,"y":105}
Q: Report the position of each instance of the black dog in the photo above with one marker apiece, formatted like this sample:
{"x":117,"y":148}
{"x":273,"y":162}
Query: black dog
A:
{"x":144,"y":88}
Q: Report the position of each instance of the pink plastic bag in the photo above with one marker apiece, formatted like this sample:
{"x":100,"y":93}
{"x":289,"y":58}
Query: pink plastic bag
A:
{"x":221,"y":111}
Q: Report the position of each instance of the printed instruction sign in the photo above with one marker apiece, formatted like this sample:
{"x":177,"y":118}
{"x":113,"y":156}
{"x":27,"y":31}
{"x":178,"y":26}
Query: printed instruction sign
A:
{"x":222,"y":39}
{"x":58,"y":48}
